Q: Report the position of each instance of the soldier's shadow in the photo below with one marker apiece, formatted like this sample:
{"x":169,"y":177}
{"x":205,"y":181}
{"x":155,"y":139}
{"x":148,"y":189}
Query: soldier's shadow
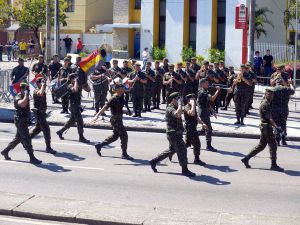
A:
{"x":52,"y":167}
{"x":237,"y":154}
{"x":66,"y":155}
{"x":138,"y":162}
{"x":292,"y":173}
{"x":225,"y":169}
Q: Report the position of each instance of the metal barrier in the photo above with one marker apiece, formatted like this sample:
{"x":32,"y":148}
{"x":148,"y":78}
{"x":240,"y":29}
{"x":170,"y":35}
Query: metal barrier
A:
{"x":4,"y":85}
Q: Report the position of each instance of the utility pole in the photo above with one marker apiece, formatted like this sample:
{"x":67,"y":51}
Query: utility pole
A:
{"x":56,"y":29}
{"x":251,"y":31}
{"x":48,"y":32}
{"x":296,"y":44}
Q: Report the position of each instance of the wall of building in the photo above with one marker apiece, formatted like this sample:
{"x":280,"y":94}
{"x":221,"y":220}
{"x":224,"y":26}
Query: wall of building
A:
{"x":120,"y":39}
{"x":147,"y":24}
{"x":76,"y":19}
{"x":121,"y":11}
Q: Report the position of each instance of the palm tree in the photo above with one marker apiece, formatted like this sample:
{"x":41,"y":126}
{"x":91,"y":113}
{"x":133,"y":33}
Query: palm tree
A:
{"x":261,"y":20}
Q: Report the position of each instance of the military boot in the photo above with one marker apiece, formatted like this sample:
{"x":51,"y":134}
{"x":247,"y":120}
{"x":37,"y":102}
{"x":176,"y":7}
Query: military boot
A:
{"x":157,"y":105}
{"x":50,"y":151}
{"x":238,"y":121}
{"x":135,"y":114}
{"x":246,"y":162}
{"x":5,"y":154}
{"x":83,"y":139}
{"x":33,"y":159}
{"x":187,"y":172}
{"x":275,"y":167}
{"x":99,"y":147}
{"x":209,"y":147}
{"x":153,"y":165}
{"x":198,"y":161}
{"x":242,"y":121}
{"x":278,"y":141}
{"x":283,"y":140}
{"x":126,"y":156}
{"x":149,"y":108}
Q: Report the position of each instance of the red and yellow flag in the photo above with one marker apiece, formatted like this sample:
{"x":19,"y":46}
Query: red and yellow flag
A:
{"x":90,"y":61}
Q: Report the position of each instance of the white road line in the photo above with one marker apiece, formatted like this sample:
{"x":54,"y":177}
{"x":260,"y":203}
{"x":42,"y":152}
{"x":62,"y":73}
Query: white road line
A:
{"x":63,"y":166}
{"x":23,"y":221}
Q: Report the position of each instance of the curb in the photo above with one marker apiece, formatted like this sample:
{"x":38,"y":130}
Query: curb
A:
{"x":161,"y":130}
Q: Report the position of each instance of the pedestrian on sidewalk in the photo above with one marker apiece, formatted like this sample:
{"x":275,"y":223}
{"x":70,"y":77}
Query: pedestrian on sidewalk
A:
{"x":175,"y":135}
{"x":116,"y":104}
{"x":21,"y":120}
{"x":68,"y":44}
{"x":268,"y":66}
{"x":1,"y":51}
{"x":8,"y":47}
{"x":79,"y":46}
{"x":267,"y":136}
{"x":146,"y":57}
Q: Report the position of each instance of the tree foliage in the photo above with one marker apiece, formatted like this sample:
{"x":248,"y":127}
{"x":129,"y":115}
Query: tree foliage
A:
{"x":4,"y":12}
{"x":290,"y":13}
{"x":261,"y":20}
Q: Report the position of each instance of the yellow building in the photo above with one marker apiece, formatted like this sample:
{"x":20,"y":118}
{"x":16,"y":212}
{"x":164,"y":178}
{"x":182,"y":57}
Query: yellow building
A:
{"x":85,"y":14}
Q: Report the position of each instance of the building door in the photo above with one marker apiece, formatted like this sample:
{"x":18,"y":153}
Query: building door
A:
{"x":137,"y":44}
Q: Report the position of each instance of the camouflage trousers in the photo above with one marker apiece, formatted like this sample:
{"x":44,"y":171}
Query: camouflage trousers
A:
{"x":147,"y":96}
{"x":176,"y":145}
{"x":100,"y":98}
{"x":192,"y":139}
{"x":75,"y":117}
{"x":22,"y":136}
{"x":241,"y":104}
{"x":280,"y":120}
{"x":156,"y":95}
{"x":119,"y":131}
{"x":205,"y":117}
{"x":267,"y":137}
{"x":42,"y":126}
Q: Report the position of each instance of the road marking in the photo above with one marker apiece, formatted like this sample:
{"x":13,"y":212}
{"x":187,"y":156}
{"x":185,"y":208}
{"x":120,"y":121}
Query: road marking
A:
{"x":55,"y":143}
{"x":23,"y":221}
{"x":63,"y":166}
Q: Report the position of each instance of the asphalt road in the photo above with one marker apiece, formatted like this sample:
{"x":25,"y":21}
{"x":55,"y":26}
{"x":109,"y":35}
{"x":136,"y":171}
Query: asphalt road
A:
{"x":224,"y":185}
{"x":7,"y":220}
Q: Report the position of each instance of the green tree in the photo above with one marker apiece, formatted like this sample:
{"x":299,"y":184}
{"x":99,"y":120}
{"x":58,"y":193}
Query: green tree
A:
{"x":31,"y":15}
{"x":290,"y":14}
{"x":260,"y":21}
{"x":4,"y":12}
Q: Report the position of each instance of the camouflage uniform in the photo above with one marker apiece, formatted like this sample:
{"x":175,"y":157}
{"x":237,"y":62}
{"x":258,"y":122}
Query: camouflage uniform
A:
{"x":280,"y":108}
{"x":64,"y":73}
{"x":53,"y":70}
{"x":173,"y":87}
{"x":229,"y":95}
{"x":204,"y":113}
{"x":100,"y":88}
{"x":116,"y":104}
{"x":163,"y":87}
{"x":18,"y":72}
{"x":82,"y":78}
{"x":21,"y":120}
{"x":137,"y":92}
{"x":191,"y":87}
{"x":183,"y":88}
{"x":251,"y":89}
{"x":40,"y":68}
{"x":174,"y":134}
{"x":157,"y":87}
{"x":148,"y":92}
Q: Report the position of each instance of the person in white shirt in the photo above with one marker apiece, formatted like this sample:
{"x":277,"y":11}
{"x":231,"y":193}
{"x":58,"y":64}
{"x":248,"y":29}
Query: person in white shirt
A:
{"x":145,"y":55}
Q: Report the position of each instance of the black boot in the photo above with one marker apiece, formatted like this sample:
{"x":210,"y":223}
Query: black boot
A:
{"x":278,"y":141}
{"x":224,"y":108}
{"x":275,"y":167}
{"x":135,"y":114}
{"x":60,"y":134}
{"x":50,"y":151}
{"x":187,"y":172}
{"x":140,"y":113}
{"x":99,"y":147}
{"x":83,"y":139}
{"x":157,"y":105}
{"x":126,"y":156}
{"x":246,"y":162}
{"x":283,"y":140}
{"x":148,"y":109}
{"x":209,"y":147}
{"x":238,"y":121}
{"x":242,"y":121}
{"x":198,"y":161}
{"x":33,"y":159}
{"x":153,"y":165}
{"x":145,"y":108}
{"x":171,"y":156}
{"x":5,"y":154}
{"x":154,"y":106}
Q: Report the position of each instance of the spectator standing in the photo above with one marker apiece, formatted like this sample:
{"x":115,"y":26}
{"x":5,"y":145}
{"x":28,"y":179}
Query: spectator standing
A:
{"x":257,"y":63}
{"x":1,"y":51}
{"x":15,"y":49}
{"x":23,"y":48}
{"x":68,"y":44}
{"x":31,"y":44}
{"x":8,"y":47}
{"x":79,"y":46}
{"x":268,"y":66}
{"x":145,"y":55}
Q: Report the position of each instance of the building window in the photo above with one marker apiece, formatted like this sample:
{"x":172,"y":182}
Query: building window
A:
{"x":70,"y":6}
{"x":221,"y":24}
{"x":137,"y":4}
{"x":162,"y":23}
{"x":193,"y":24}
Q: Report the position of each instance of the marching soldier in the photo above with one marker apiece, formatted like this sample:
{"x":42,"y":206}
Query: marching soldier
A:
{"x":195,"y":67}
{"x":63,"y":74}
{"x":280,"y":107}
{"x":40,"y":67}
{"x":183,"y":76}
{"x":241,"y":86}
{"x":204,"y":110}
{"x":172,"y":81}
{"x":75,"y":108}
{"x":82,"y":77}
{"x":174,"y":134}
{"x":159,"y":73}
{"x":252,"y":76}
{"x":165,"y":67}
{"x":21,"y":120}
{"x":115,"y":103}
{"x":139,"y":80}
{"x":191,"y":83}
{"x":280,"y":74}
{"x":267,"y":136}
{"x":150,"y":75}
{"x":126,"y":70}
{"x":54,"y":67}
{"x":116,"y":69}
{"x":19,"y":73}
{"x":191,"y":121}
{"x":100,"y":87}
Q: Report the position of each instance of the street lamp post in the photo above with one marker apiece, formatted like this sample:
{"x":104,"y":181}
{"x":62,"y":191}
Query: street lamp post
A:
{"x":56,"y":29}
{"x":296,"y":44}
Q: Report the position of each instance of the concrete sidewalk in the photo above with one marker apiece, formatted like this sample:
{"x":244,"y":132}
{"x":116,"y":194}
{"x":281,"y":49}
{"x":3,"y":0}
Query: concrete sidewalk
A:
{"x":67,"y":210}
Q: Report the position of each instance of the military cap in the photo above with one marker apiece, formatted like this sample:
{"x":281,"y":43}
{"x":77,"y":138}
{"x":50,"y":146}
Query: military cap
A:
{"x":24,"y":85}
{"x":174,"y":95}
{"x":216,"y":62}
{"x":193,"y":58}
{"x":157,"y":61}
{"x":67,"y":59}
{"x":205,"y":62}
{"x":248,"y":65}
{"x":171,"y":65}
{"x":115,"y":61}
{"x":125,"y":61}
{"x":203,"y":80}
{"x":190,"y":96}
{"x":55,"y":55}
{"x":221,"y":61}
{"x":269,"y":89}
{"x":231,"y":67}
{"x":149,"y":63}
{"x":137,"y":64}
{"x":280,"y":66}
{"x":41,"y":56}
{"x":243,"y":66}
{"x":179,"y":64}
{"x":21,"y":59}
